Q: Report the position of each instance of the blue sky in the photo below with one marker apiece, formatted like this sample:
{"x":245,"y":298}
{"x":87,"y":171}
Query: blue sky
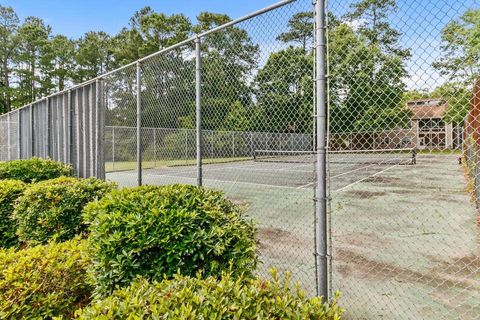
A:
{"x":75,"y":17}
{"x":419,"y":21}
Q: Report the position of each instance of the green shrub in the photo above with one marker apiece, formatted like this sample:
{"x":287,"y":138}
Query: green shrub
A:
{"x":226,"y":298}
{"x":44,"y":281}
{"x":52,"y":209}
{"x":34,"y":169}
{"x":10,"y":190}
{"x":156,"y":231}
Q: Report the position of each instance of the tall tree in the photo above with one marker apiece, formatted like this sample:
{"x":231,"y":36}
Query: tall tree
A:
{"x":367,"y":67}
{"x":93,"y":55}
{"x":127,"y":46}
{"x":8,"y":42}
{"x":285,"y":86}
{"x":299,"y":29}
{"x":373,"y":18}
{"x":33,"y":37}
{"x":460,"y":60}
{"x":229,"y":56}
{"x":160,"y":30}
{"x":285,"y":92}
{"x":366,"y":84}
{"x":59,"y":61}
{"x":135,"y":21}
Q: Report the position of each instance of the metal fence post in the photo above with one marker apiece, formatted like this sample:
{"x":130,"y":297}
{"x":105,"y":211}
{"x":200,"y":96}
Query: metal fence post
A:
{"x":48,"y":140}
{"x":321,"y":262}
{"x":185,"y":147}
{"x":9,"y":137}
{"x":99,"y":130}
{"x":139,"y":126}
{"x":154,"y":147}
{"x":70,"y":151}
{"x":86,"y":132}
{"x":113,"y":148}
{"x":92,"y":129}
{"x":19,"y":134}
{"x":233,"y":144}
{"x":198,"y":105}
{"x":32,"y":133}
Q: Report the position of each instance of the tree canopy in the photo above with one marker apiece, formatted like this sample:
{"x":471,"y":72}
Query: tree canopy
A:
{"x":245,"y":86}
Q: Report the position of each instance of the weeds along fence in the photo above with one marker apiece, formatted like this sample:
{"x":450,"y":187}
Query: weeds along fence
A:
{"x":472,"y":143}
{"x":382,"y":216}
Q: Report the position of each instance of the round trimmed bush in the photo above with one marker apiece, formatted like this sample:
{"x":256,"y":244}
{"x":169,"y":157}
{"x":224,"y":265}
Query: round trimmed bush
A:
{"x":157,"y":231}
{"x":10,"y":191}
{"x":44,"y":281}
{"x":211,"y":298}
{"x":52,"y":209}
{"x":34,"y":170}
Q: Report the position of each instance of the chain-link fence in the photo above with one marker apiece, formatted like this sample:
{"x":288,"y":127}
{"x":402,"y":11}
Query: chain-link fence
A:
{"x":218,"y":133}
{"x":472,"y":143}
{"x":165,"y":144}
{"x":236,"y":109}
{"x":404,"y":236}
{"x":67,"y":127}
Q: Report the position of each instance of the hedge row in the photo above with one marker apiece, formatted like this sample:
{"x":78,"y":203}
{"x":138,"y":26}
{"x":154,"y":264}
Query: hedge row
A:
{"x":157,"y":231}
{"x":50,"y":281}
{"x":152,"y":252}
{"x":52,"y":209}
{"x":199,"y":298}
{"x":44,"y":281}
{"x":33,"y":170}
{"x":10,"y":191}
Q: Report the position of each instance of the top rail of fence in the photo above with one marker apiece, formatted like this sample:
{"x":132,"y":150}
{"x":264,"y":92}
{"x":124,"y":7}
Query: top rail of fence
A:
{"x":172,"y":47}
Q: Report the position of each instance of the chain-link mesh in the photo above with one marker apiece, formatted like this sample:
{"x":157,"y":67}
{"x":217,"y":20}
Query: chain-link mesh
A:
{"x":168,"y":102}
{"x":258,"y":84}
{"x":120,"y":94}
{"x":404,"y":235}
{"x":9,"y":136}
{"x":403,"y":142}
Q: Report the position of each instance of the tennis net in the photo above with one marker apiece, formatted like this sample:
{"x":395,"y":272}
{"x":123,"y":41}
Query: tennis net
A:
{"x":377,"y":156}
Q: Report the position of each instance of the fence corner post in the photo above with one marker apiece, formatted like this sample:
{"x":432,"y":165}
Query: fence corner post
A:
{"x":321,"y":251}
{"x":9,"y":136}
{"x":19,"y":134}
{"x":198,"y":109}
{"x":32,"y":133}
{"x":139,"y":125}
{"x":100,"y":130}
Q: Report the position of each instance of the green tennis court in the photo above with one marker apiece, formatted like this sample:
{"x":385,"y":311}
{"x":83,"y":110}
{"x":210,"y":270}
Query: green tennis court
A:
{"x":376,"y":211}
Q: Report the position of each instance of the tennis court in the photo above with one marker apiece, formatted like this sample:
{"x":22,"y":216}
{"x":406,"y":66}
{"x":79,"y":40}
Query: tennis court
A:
{"x":377,"y":209}
{"x":277,"y":192}
{"x":278,"y":169}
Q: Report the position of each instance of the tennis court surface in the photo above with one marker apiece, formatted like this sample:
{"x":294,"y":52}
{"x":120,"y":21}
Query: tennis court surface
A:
{"x":279,"y":169}
{"x":377,"y":209}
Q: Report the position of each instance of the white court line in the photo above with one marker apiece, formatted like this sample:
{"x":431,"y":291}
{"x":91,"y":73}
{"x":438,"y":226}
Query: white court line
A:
{"x":337,"y":175}
{"x":358,"y":181}
{"x":193,"y":169}
{"x":252,"y":167}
